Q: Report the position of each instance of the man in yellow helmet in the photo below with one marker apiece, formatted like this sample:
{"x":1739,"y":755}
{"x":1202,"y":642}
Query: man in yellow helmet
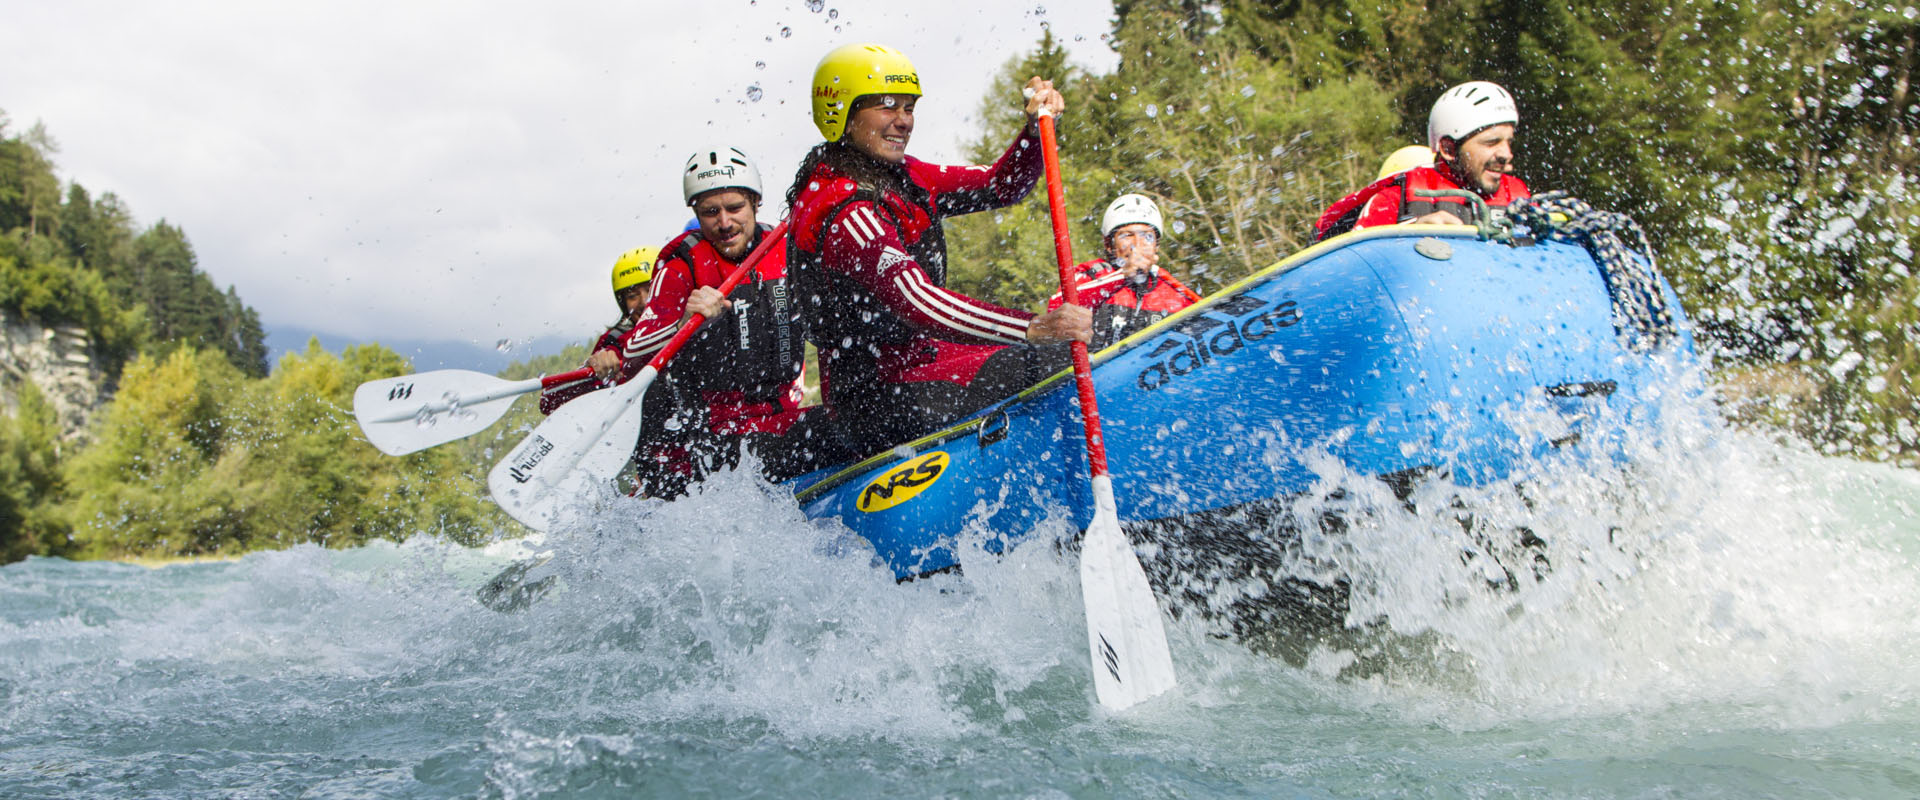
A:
{"x":900,"y":353}
{"x":632,"y":275}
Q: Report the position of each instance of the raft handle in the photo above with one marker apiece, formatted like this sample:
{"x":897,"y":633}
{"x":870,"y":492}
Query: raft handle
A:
{"x":994,"y":428}
{"x":1491,"y":226}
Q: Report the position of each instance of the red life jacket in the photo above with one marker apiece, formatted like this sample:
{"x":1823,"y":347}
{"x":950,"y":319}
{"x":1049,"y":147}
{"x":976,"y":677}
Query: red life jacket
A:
{"x":890,"y":349}
{"x":1392,"y":200}
{"x":746,"y":363}
{"x":553,"y":397}
{"x":1119,"y":310}
{"x":864,"y":318}
{"x":899,"y":352}
{"x":1163,"y":297}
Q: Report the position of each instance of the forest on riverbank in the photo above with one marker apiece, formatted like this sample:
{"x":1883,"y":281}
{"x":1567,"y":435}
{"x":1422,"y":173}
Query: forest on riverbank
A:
{"x":1766,"y":147}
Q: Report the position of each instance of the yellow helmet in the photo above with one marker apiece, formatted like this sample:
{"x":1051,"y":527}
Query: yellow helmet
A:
{"x":634,"y":267}
{"x":1404,"y":159}
{"x":851,"y":72}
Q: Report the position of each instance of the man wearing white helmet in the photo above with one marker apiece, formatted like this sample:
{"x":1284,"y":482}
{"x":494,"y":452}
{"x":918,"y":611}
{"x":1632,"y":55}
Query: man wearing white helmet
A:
{"x":1470,"y":131}
{"x":1127,"y":289}
{"x":745,"y":363}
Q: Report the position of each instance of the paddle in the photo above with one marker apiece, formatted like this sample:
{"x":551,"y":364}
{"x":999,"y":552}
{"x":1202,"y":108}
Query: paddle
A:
{"x":1129,"y":645}
{"x":408,"y":413}
{"x":589,"y":440}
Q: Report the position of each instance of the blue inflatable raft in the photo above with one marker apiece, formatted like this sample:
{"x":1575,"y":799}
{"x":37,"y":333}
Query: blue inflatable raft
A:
{"x":1400,"y":351}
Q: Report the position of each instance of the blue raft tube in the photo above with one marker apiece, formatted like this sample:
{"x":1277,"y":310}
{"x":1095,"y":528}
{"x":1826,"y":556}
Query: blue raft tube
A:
{"x":1401,"y":351}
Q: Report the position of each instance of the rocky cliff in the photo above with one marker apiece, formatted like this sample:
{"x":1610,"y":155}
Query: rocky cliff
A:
{"x":60,"y":361}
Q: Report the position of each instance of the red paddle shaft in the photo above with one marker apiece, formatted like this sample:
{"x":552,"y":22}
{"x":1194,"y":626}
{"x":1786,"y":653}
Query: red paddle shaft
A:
{"x":775,"y":237}
{"x":1069,"y":289}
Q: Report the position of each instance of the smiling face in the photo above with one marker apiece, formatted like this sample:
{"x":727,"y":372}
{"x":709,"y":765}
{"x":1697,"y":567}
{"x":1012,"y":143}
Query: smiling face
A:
{"x":881,"y":124}
{"x":1482,"y":158}
{"x":726,"y":219}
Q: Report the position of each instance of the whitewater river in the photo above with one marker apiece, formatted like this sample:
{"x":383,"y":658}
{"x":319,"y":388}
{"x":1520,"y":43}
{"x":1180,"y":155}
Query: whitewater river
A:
{"x":1731,"y":618}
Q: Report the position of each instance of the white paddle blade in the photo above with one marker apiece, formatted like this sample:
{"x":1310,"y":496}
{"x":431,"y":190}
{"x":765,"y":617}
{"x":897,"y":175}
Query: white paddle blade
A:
{"x":1129,"y":643}
{"x":583,"y":445}
{"x":409,"y":413}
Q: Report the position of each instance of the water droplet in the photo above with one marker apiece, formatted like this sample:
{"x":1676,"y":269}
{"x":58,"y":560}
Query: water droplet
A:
{"x":759,"y":65}
{"x":1179,"y":227}
{"x":754,"y":93}
{"x":786,"y":32}
{"x":1045,"y":25}
{"x":503,"y":345}
{"x":833,"y":13}
{"x":1152,"y":111}
{"x":1246,"y":91}
{"x":815,"y":5}
{"x":1039,"y":11}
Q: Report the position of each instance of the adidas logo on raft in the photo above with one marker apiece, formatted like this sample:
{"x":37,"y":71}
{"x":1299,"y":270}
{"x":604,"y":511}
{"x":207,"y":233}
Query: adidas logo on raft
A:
{"x":1208,"y":338}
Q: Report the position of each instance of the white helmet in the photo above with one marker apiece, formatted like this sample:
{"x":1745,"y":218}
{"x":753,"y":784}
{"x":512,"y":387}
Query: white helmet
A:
{"x":1128,"y":209}
{"x":1467,"y":109}
{"x":719,"y":168}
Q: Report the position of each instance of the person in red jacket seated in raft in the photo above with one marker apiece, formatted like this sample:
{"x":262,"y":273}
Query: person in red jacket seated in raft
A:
{"x":1127,"y":289}
{"x":902,"y":355}
{"x":737,"y":380}
{"x":1471,"y":131}
{"x":632,"y":274}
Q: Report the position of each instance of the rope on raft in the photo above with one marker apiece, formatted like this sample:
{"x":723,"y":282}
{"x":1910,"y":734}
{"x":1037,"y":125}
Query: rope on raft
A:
{"x":1641,"y":315}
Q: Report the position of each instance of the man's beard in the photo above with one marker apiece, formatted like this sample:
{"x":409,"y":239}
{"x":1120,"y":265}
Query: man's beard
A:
{"x":1478,"y":179}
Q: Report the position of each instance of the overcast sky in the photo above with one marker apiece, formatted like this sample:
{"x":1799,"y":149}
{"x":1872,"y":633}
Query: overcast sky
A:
{"x":462,"y":170}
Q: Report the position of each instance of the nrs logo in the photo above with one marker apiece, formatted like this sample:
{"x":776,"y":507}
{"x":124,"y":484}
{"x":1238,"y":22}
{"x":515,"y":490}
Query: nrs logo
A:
{"x":1208,"y":338}
{"x":902,"y":483}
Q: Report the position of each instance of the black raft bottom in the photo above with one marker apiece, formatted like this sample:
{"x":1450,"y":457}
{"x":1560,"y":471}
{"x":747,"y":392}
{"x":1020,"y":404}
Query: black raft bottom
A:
{"x":1243,"y":570}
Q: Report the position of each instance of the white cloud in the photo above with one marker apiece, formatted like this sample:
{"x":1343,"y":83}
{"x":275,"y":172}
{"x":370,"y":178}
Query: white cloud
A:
{"x":460,"y":170}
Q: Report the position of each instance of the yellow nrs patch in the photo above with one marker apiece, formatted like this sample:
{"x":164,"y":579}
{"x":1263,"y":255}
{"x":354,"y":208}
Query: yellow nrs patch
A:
{"x":902,"y":483}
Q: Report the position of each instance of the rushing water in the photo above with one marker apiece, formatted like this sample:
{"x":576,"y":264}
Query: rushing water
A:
{"x":1731,"y":617}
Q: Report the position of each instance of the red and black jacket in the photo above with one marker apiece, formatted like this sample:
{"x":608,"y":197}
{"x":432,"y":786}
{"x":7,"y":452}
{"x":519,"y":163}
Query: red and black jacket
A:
{"x":871,"y":266}
{"x":1121,"y":307}
{"x":1392,"y":200}
{"x":745,"y":363}
{"x":1100,"y":282}
{"x":557,"y":395}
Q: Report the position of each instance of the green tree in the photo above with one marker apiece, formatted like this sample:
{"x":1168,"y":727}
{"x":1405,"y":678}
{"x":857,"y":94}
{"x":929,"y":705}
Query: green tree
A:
{"x":186,"y":307}
{"x":29,"y":190}
{"x":195,"y":458}
{"x":136,"y":488}
{"x":30,"y":480}
{"x":1240,"y":158}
